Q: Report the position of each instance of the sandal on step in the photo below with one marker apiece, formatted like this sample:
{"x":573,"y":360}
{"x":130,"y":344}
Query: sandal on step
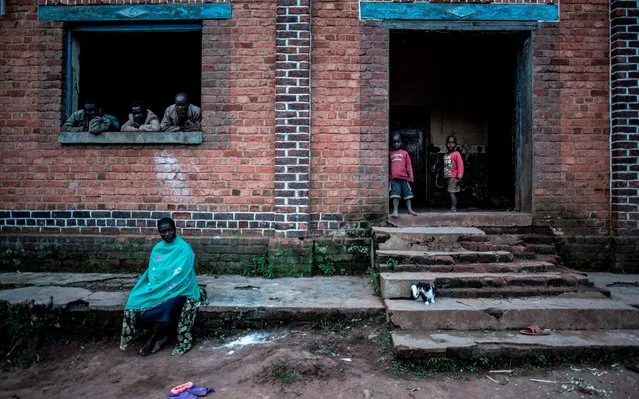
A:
{"x":533,"y":330}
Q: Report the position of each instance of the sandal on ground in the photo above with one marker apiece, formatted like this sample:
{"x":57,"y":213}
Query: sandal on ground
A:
{"x":533,"y":330}
{"x":181,"y":388}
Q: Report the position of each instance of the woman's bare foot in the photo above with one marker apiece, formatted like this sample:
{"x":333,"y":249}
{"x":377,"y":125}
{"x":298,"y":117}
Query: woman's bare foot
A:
{"x":148,"y":347}
{"x":412,"y":212}
{"x":395,"y":214}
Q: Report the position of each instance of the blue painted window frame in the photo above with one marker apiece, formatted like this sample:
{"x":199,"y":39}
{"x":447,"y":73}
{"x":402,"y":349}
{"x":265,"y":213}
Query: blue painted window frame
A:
{"x":135,"y":12}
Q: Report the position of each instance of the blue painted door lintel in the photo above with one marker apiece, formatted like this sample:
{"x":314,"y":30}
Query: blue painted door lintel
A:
{"x":458,"y":12}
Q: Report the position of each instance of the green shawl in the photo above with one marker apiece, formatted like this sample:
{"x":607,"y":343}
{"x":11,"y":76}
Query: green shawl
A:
{"x":170,"y":273}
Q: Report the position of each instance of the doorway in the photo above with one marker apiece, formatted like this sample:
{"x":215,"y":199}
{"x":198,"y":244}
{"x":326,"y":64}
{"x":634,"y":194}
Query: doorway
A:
{"x":470,"y":85}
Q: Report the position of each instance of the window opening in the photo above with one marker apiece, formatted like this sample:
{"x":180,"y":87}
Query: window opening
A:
{"x":115,"y":65}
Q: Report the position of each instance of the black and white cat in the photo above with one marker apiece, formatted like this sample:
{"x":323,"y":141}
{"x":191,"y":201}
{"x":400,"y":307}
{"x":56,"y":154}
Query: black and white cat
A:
{"x":424,"y":291}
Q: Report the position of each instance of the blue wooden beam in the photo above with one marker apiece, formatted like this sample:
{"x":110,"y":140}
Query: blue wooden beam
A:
{"x":141,"y":12}
{"x":150,"y":27}
{"x":458,"y":11}
{"x":3,"y":7}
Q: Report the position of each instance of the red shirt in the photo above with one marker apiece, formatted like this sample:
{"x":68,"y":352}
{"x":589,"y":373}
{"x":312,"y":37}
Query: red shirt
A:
{"x":453,"y":165}
{"x":400,"y":166}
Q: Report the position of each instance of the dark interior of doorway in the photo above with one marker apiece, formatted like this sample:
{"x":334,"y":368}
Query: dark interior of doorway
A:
{"x":117,"y":68}
{"x":460,"y":83}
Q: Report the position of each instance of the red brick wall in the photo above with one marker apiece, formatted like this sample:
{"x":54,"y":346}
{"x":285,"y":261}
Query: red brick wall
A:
{"x":571,"y":122}
{"x":350,"y":119}
{"x":227,"y":184}
{"x":31,"y":82}
{"x":231,"y":172}
{"x":335,"y":155}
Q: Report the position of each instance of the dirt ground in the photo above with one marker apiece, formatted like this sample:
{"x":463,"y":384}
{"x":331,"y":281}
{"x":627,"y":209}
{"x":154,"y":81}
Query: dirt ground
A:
{"x":308,"y":363}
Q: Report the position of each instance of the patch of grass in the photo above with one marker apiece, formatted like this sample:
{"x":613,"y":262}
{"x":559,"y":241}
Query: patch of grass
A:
{"x":392,"y":262}
{"x":432,"y":365}
{"x":337,"y":325}
{"x":283,"y":373}
{"x":258,"y":266}
{"x":385,"y":340}
{"x":373,"y":280}
{"x":327,"y":267}
{"x":323,"y":261}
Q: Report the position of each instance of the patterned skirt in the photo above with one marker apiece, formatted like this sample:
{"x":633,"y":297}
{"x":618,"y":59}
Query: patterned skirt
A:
{"x":130,"y":324}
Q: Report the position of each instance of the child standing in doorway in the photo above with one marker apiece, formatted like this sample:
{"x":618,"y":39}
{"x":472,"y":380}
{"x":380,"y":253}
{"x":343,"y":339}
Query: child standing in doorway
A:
{"x":401,"y":174}
{"x":453,"y":170}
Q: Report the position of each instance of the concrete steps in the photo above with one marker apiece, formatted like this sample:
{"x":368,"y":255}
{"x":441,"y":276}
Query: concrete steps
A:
{"x":422,"y":238}
{"x":464,"y":219}
{"x":494,"y":344}
{"x":397,"y":285}
{"x":442,"y":257}
{"x":519,"y":292}
{"x":529,"y":266}
{"x":490,"y":283}
{"x":511,"y":314}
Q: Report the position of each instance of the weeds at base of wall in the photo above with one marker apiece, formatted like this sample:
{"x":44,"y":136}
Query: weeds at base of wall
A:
{"x":373,"y":281}
{"x":258,"y":266}
{"x":324,"y":262}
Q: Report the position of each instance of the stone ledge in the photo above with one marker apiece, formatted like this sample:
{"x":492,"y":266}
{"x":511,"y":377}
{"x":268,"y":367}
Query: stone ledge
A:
{"x":191,"y":138}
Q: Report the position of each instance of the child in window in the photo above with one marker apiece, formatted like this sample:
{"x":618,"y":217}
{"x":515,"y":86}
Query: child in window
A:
{"x":453,"y":170}
{"x":401,"y":174}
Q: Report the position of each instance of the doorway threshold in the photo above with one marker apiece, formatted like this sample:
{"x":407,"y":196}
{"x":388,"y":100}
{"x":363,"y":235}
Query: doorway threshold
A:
{"x":461,"y":218}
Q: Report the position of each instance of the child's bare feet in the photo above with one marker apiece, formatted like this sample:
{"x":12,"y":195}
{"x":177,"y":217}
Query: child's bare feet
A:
{"x":412,"y":212}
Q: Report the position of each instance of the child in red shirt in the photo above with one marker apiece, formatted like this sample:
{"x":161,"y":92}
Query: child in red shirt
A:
{"x":453,"y":170}
{"x":401,"y":173}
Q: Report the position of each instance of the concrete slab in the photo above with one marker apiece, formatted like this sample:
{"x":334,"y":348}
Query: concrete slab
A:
{"x":515,"y":313}
{"x":475,"y":344}
{"x":422,"y":238}
{"x":531,"y":266}
{"x":397,"y":285}
{"x":463,"y":218}
{"x":107,"y":301}
{"x":59,"y":279}
{"x":337,"y":295}
{"x":579,"y":291}
{"x":45,"y":295}
{"x":442,"y":257}
{"x":432,"y":231}
{"x":623,"y":287}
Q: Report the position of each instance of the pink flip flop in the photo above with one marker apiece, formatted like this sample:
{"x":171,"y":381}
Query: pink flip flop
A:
{"x":178,"y":389}
{"x":533,"y":329}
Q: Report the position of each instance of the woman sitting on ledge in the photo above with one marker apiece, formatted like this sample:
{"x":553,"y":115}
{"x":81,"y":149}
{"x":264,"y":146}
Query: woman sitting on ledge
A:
{"x":166,"y":297}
